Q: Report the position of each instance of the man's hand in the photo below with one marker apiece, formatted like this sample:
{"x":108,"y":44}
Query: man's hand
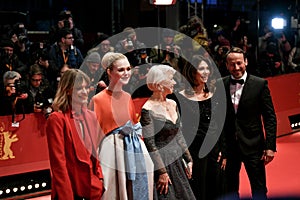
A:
{"x":268,"y":156}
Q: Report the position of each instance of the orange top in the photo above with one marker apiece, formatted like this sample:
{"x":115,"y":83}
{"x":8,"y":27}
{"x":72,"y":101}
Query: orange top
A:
{"x":113,"y":109}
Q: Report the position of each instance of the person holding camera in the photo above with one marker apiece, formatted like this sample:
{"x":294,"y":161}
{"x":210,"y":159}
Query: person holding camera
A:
{"x":222,"y":47}
{"x":21,"y":42}
{"x":65,"y":20}
{"x":39,"y":56}
{"x":130,"y":46}
{"x":40,"y":94}
{"x":13,"y":97}
{"x":160,"y":52}
{"x":270,"y":62}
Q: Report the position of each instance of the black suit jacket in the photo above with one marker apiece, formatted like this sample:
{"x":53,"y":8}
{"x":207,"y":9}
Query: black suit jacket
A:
{"x":253,"y":128}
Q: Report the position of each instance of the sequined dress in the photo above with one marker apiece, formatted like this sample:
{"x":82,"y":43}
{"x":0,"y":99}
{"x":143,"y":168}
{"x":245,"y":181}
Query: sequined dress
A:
{"x":201,"y":128}
{"x":167,"y":148}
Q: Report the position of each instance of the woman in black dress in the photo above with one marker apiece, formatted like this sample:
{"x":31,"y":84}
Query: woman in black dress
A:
{"x":202,"y":116}
{"x":163,"y":137}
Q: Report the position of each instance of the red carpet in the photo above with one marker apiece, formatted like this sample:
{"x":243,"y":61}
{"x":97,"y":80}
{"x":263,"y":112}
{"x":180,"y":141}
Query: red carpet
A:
{"x":283,"y":173}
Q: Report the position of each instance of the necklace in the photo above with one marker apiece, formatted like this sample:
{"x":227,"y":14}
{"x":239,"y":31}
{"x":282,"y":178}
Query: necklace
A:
{"x":159,"y":102}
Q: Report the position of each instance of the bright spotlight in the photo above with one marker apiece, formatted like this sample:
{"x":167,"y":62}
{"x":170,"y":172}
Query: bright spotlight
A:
{"x":278,"y":23}
{"x":15,"y":189}
{"x":44,"y":184}
{"x":162,"y":2}
{"x":7,"y":191}
{"x":22,"y":188}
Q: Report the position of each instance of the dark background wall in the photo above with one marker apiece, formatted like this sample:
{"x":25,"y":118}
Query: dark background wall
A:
{"x":111,"y":16}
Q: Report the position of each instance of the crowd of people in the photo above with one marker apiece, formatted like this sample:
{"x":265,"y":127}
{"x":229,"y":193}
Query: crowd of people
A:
{"x":208,"y":109}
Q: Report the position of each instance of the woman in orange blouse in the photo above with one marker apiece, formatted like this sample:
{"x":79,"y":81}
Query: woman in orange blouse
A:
{"x":126,"y":164}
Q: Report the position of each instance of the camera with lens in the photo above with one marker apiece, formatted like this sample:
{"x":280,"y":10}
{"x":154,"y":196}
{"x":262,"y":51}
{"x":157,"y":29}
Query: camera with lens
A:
{"x":44,"y":104}
{"x":22,"y":38}
{"x":20,"y":87}
{"x":170,"y":50}
{"x":129,"y":44}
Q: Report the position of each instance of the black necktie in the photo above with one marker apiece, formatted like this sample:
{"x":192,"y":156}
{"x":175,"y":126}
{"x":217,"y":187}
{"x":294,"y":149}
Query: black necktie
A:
{"x":234,"y":81}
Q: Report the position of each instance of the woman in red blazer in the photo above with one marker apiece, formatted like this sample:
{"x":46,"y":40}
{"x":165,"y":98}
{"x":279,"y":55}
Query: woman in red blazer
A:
{"x":73,"y":136}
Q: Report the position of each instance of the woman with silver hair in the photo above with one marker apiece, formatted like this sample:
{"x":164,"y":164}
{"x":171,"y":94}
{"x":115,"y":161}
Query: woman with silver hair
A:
{"x":163,"y":137}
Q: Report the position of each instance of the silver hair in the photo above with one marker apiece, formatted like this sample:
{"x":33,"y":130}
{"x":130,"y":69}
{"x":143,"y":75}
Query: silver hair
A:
{"x":10,"y":75}
{"x":158,"y":74}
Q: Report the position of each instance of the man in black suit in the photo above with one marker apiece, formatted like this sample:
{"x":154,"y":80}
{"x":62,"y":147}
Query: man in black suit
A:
{"x":250,"y":126}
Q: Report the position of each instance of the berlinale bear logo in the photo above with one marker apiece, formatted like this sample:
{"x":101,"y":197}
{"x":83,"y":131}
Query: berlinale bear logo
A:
{"x":6,"y":140}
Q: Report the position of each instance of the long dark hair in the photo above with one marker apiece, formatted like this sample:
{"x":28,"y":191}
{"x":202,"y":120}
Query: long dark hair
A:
{"x":190,"y":71}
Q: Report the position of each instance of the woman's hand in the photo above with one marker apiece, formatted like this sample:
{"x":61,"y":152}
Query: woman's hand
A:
{"x":163,"y":183}
{"x":189,"y":170}
{"x":223,"y":164}
{"x":223,"y":161}
{"x":102,"y":84}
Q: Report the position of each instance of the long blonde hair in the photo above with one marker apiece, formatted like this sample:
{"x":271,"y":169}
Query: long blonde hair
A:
{"x":70,"y":79}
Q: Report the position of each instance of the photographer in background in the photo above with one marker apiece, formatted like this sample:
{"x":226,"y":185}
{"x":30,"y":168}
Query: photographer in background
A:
{"x":294,"y":59}
{"x":158,"y":52}
{"x":39,"y":56}
{"x":64,"y":52}
{"x":9,"y":60}
{"x":65,"y":20}
{"x":40,"y":93}
{"x":220,"y":50}
{"x":130,"y":46}
{"x":270,"y":63}
{"x":21,"y":42}
{"x":92,"y":68}
{"x":13,"y":95}
{"x":196,"y":30}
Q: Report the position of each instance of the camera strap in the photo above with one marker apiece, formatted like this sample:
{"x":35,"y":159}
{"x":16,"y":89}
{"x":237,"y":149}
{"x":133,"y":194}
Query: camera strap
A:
{"x":15,"y":123}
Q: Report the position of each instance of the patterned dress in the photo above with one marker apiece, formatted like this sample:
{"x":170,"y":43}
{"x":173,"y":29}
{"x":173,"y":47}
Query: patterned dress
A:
{"x":167,"y":148}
